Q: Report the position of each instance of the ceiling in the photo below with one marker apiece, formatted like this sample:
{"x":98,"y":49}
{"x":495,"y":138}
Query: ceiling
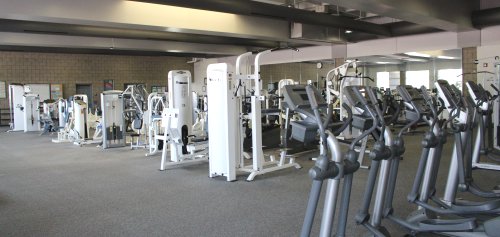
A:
{"x":306,"y":23}
{"x":411,"y":57}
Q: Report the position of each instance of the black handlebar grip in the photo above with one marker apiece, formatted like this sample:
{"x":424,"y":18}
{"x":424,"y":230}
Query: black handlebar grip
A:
{"x":495,"y":88}
{"x":374,"y":100}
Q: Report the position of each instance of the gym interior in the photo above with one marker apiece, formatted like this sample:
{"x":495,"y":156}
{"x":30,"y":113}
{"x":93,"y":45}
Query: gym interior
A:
{"x":249,"y":118}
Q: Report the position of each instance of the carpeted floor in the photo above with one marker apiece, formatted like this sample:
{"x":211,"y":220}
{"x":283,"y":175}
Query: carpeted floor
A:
{"x":49,"y":189}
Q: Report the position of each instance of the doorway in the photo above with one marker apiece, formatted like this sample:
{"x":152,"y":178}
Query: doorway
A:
{"x":85,"y":89}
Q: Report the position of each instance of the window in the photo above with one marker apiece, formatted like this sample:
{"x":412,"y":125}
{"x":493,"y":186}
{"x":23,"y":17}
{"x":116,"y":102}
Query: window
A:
{"x":417,"y":79}
{"x":388,"y":80}
{"x":383,"y":79}
{"x":453,"y":76}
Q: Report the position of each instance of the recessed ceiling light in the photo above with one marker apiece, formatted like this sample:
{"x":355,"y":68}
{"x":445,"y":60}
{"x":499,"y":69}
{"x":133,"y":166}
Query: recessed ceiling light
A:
{"x":348,"y":31}
{"x":445,"y":57}
{"x":416,"y":54}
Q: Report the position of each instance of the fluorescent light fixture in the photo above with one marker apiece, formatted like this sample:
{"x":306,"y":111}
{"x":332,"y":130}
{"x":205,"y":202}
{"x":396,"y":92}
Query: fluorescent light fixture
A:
{"x":348,"y":31}
{"x":382,"y":62}
{"x":416,"y":54}
{"x":445,"y":57}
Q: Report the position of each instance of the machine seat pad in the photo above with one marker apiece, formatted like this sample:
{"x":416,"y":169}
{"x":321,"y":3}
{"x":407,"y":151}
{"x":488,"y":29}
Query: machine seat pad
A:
{"x":199,"y":139}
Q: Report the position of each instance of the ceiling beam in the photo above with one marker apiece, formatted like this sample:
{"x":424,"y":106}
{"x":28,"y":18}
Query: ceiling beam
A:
{"x":252,"y":8}
{"x":448,"y":15}
{"x":79,"y":42}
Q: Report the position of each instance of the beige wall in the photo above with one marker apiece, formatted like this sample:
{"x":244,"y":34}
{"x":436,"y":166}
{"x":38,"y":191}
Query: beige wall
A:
{"x":72,"y":69}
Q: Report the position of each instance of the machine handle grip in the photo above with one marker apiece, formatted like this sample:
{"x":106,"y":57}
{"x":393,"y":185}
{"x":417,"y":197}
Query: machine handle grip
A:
{"x":404,"y":93}
{"x":374,"y":100}
{"x":495,"y":88}
{"x":425,"y":94}
{"x":364,"y":102}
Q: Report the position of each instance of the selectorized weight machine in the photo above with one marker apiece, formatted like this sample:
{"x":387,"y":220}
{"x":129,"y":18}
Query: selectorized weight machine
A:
{"x":157,"y":101}
{"x":24,"y":107}
{"x":112,"y":122}
{"x":226,"y":89}
{"x":177,"y":122}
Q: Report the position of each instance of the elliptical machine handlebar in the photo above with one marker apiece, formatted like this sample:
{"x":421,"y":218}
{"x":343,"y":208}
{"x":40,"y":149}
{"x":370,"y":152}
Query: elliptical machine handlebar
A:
{"x":430,"y":102}
{"x":496,"y":89}
{"x":314,"y":106}
{"x":365,"y":104}
{"x":347,"y":120}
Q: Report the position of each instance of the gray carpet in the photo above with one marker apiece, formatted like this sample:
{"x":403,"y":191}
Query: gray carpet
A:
{"x":49,"y":189}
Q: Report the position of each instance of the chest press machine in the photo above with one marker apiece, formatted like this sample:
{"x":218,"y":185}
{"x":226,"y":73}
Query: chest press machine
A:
{"x":226,"y":90}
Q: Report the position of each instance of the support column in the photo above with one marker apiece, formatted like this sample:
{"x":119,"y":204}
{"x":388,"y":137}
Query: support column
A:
{"x":469,"y":67}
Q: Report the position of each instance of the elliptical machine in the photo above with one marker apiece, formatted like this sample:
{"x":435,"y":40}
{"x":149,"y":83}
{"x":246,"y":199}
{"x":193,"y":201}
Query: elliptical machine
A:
{"x":307,"y":99}
{"x":483,"y":104}
{"x":387,"y":168}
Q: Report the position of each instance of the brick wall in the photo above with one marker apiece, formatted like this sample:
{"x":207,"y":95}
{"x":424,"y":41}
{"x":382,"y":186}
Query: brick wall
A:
{"x":469,"y":55}
{"x":72,"y":69}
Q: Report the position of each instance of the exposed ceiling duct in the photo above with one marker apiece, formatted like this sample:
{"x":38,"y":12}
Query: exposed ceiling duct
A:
{"x":487,"y":17}
{"x":397,"y":29}
{"x":246,"y":7}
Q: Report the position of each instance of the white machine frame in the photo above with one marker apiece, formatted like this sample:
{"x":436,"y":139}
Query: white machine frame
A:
{"x":496,"y":108}
{"x":16,"y":104}
{"x":135,"y":93}
{"x":227,"y":161}
{"x":31,"y":112}
{"x":79,"y":122}
{"x":157,"y":101}
{"x":24,"y":107}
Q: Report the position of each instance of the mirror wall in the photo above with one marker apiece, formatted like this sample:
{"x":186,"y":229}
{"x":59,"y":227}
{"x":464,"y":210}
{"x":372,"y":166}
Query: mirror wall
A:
{"x":387,"y":71}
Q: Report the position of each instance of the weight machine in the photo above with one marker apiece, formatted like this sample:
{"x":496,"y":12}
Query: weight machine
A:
{"x":135,"y":103}
{"x":83,"y":121}
{"x":50,"y":112}
{"x":200,"y":113}
{"x":226,"y":91}
{"x":78,"y":122}
{"x":112,"y":121}
{"x":31,"y":109}
{"x":157,"y":101}
{"x":333,"y":89}
{"x":177,"y":122}
{"x":16,"y":107}
{"x":24,"y":107}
